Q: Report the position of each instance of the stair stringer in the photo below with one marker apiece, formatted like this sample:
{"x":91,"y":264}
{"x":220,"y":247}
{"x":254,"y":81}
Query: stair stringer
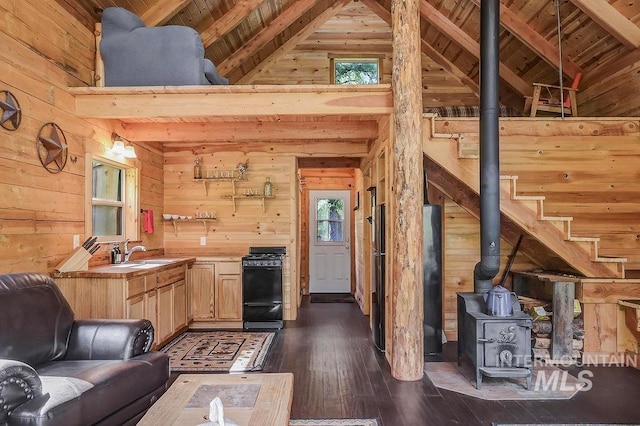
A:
{"x":527,"y":212}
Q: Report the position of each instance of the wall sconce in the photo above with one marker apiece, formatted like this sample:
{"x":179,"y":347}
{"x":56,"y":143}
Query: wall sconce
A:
{"x":119,"y":147}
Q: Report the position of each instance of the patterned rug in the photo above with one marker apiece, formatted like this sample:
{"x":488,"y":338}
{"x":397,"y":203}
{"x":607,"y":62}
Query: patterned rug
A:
{"x":334,"y":422}
{"x":219,"y":351}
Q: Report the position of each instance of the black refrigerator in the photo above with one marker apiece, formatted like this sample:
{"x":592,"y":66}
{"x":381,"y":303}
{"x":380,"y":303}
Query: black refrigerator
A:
{"x":432,"y":278}
{"x":377,"y":296}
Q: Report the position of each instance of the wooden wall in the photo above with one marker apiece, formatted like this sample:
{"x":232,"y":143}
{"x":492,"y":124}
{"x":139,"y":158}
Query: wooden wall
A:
{"x":461,"y":252}
{"x":586,"y":168}
{"x":44,"y":51}
{"x":234,"y":231}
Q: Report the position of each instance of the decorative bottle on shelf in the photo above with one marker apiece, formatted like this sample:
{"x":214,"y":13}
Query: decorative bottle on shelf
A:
{"x":197,"y":169}
{"x":268,"y":188}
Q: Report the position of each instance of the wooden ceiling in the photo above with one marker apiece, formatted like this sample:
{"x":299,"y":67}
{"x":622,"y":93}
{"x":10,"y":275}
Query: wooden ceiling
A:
{"x":290,"y":41}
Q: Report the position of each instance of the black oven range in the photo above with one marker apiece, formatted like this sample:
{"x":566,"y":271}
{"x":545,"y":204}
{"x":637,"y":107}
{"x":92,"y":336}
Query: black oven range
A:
{"x":262,"y":288}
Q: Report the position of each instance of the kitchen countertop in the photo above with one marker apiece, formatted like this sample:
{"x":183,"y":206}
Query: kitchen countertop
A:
{"x":128,"y":270}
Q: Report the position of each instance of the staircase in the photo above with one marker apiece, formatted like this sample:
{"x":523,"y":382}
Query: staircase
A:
{"x":457,"y":154}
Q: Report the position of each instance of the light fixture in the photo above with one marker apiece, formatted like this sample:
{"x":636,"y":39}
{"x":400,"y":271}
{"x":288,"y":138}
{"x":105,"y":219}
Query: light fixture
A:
{"x":119,"y":147}
{"x":129,"y":152}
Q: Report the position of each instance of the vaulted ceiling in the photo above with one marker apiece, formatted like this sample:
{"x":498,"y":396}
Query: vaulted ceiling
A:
{"x":291,"y":41}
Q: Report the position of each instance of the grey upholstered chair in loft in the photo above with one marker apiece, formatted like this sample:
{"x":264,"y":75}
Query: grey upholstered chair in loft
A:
{"x":137,"y":55}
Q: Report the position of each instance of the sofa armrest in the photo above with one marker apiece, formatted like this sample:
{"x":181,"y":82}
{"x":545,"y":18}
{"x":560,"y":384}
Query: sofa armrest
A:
{"x":19,"y":383}
{"x":109,"y":339}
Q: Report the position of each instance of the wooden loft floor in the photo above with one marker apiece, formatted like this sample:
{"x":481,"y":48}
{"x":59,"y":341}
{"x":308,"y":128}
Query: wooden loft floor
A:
{"x":233,"y":103}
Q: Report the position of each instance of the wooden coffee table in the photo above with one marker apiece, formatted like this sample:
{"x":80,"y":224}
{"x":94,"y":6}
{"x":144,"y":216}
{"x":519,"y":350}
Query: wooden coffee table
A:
{"x":260,"y":399}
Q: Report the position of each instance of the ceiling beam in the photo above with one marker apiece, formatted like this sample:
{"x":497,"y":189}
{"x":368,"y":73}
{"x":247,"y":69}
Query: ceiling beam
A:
{"x":610,"y":19}
{"x":233,"y":17}
{"x":268,"y":33}
{"x":384,"y":14}
{"x":458,"y":36}
{"x":188,"y":102}
{"x":534,"y":40}
{"x":291,"y":43}
{"x":362,"y":130}
{"x":329,"y":163}
{"x":162,"y":11}
{"x":322,"y":149}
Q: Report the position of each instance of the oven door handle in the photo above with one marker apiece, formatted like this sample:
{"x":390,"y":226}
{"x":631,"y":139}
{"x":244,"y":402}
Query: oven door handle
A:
{"x":492,"y":340}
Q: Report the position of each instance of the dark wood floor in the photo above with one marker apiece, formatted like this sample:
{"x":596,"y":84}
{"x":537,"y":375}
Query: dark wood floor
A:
{"x":339,"y":374}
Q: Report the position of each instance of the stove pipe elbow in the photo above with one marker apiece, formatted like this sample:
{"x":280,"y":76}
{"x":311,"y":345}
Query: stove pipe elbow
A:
{"x":484,"y":272}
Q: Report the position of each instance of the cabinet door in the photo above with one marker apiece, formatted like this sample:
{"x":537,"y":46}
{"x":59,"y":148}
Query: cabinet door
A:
{"x":135,"y":307}
{"x":201,"y":291}
{"x":165,"y":313}
{"x":151,"y":311}
{"x":228,"y":295}
{"x":179,"y":305}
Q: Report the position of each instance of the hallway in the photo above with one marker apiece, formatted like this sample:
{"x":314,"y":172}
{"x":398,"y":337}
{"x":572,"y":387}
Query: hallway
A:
{"x":338,"y":374}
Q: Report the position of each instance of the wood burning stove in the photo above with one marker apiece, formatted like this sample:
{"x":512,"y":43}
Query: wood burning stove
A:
{"x":496,"y":346}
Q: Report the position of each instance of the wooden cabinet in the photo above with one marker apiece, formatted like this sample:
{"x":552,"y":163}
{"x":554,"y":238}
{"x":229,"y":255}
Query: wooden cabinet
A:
{"x":228,"y":291}
{"x":164,"y":328}
{"x":215,"y":293}
{"x":171,"y":301}
{"x":179,"y":305}
{"x":160,"y":297}
{"x":201,"y":286}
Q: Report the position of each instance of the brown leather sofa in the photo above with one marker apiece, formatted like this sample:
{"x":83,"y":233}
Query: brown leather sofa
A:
{"x":57,"y":371}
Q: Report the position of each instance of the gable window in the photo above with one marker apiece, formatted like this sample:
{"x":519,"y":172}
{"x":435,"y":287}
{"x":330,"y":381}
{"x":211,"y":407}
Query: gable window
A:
{"x":355,"y":70}
{"x":112,"y":200}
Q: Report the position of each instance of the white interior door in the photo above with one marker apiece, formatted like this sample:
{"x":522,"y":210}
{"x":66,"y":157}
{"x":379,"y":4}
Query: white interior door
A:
{"x":329,"y":245}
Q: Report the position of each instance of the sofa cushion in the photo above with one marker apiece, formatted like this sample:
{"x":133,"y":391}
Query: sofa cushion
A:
{"x":96,"y":389}
{"x":35,"y":319}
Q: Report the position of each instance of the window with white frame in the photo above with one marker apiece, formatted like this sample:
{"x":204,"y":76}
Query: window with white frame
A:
{"x":112,"y":200}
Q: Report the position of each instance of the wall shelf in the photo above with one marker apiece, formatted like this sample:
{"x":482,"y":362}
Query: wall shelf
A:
{"x":205,"y":223}
{"x":233,"y":198}
{"x":207,"y":181}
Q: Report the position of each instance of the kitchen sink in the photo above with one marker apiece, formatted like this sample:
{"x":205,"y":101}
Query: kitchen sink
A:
{"x":153,"y":261}
{"x":144,"y":263}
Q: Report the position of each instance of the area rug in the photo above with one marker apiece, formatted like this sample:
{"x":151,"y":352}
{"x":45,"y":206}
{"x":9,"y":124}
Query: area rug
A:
{"x":219,"y":351}
{"x":331,"y":298}
{"x":334,"y":422}
{"x":547,"y":382}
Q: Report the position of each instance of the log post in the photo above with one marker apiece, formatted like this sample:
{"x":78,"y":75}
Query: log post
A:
{"x":407,"y":351}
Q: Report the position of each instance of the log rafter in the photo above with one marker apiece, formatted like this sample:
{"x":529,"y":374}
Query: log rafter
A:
{"x":275,"y":27}
{"x":233,"y":17}
{"x":461,"y":38}
{"x":162,"y":11}
{"x":534,"y":40}
{"x":385,"y":14}
{"x":291,"y":43}
{"x":609,"y":18}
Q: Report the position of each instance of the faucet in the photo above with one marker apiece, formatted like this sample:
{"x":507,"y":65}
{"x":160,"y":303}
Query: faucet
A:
{"x":128,"y":253}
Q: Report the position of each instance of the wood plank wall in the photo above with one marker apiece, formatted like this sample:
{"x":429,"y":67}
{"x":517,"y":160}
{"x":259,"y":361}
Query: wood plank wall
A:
{"x":44,"y":51}
{"x":461,"y":252}
{"x":234,"y":231}
{"x":586,"y":169}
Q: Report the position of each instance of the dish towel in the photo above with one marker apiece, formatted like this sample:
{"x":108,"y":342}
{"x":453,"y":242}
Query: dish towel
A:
{"x":148,"y":222}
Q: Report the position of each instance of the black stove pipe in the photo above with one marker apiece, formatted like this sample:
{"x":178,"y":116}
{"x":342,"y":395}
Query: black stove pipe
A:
{"x":489,"y":264}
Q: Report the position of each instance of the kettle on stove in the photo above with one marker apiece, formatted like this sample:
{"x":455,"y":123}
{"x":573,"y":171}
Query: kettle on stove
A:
{"x":499,"y":302}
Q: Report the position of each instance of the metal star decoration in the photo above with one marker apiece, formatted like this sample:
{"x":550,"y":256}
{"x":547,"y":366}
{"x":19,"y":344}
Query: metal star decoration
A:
{"x":52,"y":149}
{"x":11,"y":112}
